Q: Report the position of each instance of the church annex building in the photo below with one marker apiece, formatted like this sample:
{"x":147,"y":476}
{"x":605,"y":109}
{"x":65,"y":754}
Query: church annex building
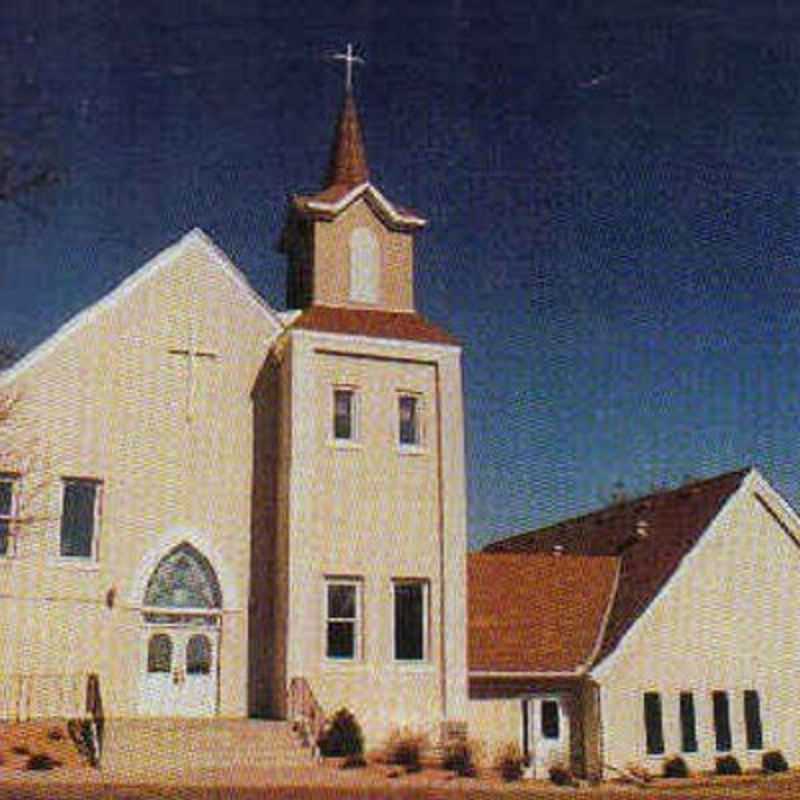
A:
{"x":222,"y":510}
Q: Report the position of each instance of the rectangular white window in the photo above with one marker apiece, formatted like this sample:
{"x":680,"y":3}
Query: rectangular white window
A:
{"x":8,"y":510}
{"x":80,"y":518}
{"x":410,"y":620}
{"x":409,"y":418}
{"x":343,"y":619}
{"x":344,"y":414}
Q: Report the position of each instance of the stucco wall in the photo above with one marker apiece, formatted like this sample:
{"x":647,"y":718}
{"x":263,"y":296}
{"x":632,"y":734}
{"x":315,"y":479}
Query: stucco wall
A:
{"x":108,"y":401}
{"x":331,"y":242}
{"x":371,"y":511}
{"x":728,"y":621}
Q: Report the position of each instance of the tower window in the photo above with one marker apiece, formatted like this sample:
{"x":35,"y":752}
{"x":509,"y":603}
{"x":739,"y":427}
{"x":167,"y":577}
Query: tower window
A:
{"x":410,"y":620}
{"x":364,"y":266}
{"x":344,"y":414}
{"x":410,"y":431}
{"x":343,"y":612}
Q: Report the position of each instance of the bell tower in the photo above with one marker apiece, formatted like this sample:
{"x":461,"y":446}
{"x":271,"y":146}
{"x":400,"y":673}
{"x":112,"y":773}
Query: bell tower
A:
{"x":348,"y":245}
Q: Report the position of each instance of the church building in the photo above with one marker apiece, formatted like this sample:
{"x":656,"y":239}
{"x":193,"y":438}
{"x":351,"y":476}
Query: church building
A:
{"x":222,"y":510}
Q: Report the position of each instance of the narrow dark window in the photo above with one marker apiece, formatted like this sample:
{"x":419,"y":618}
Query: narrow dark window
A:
{"x":752,"y":720}
{"x":343,"y":414}
{"x":6,"y":512}
{"x":550,"y":720}
{"x":722,"y":722}
{"x":409,"y":420}
{"x":653,"y":725}
{"x":159,"y":653}
{"x":78,"y":518}
{"x":526,"y":746}
{"x":688,"y":723}
{"x":198,"y":655}
{"x":409,"y":621}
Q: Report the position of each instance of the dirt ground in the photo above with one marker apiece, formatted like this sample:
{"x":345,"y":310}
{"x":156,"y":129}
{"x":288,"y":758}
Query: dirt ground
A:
{"x":327,"y":781}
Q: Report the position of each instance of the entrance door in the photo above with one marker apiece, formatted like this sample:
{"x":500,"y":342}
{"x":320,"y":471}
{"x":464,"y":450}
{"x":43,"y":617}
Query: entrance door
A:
{"x":180,"y":675}
{"x":547,"y":732}
{"x":181,"y":615}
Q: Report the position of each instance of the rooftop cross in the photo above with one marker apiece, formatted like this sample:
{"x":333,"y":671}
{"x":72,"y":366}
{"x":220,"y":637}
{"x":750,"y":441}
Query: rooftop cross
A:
{"x":349,"y":60}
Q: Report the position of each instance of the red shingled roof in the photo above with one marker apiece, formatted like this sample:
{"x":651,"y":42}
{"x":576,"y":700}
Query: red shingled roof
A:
{"x":406,"y":325}
{"x":669,"y":523}
{"x":536,"y":613}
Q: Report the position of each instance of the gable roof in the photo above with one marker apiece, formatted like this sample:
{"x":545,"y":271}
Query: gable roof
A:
{"x":650,"y":535}
{"x":160,"y":261}
{"x":536,"y":613}
{"x":406,"y":325}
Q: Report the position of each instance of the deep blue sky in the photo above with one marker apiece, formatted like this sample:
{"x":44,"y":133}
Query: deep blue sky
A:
{"x":611,"y":186}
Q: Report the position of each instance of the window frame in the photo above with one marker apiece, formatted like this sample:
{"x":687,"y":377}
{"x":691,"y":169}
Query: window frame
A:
{"x":417,"y":446}
{"x":357,"y":584}
{"x":365,"y":259}
{"x":97,"y":516}
{"x":425,"y":585}
{"x":355,"y":428}
{"x":12,"y":518}
{"x":653,"y":725}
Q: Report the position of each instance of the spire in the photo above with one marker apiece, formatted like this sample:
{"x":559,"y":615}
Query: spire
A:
{"x":348,"y":164}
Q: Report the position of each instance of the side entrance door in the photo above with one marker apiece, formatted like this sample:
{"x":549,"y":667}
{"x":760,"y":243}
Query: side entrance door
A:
{"x":180,"y":673}
{"x":547,"y":732}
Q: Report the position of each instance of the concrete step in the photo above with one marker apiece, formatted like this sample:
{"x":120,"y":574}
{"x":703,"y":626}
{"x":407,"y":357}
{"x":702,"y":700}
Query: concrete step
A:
{"x":165,"y":744}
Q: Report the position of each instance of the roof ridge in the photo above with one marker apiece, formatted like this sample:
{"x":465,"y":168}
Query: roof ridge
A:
{"x":620,"y":506}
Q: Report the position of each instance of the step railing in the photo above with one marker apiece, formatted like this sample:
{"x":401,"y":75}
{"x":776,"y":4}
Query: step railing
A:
{"x":306,"y":714}
{"x":27,"y":695}
{"x":95,"y":718}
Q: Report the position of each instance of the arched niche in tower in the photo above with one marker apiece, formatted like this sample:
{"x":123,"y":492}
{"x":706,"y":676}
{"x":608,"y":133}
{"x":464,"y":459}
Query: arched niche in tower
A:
{"x":365,"y":261}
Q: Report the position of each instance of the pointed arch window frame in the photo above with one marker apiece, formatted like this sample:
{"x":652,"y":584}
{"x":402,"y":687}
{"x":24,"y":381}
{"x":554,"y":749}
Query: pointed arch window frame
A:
{"x":179,"y":614}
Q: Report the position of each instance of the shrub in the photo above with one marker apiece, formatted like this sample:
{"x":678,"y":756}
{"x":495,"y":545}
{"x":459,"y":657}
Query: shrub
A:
{"x":773,"y":761}
{"x":561,"y":776}
{"x":41,"y":761}
{"x":406,"y":748}
{"x":728,"y":765}
{"x":55,"y":734}
{"x":459,"y":757}
{"x":636,"y":773}
{"x":342,"y":736}
{"x":675,"y":767}
{"x":20,"y":750}
{"x":509,"y":762}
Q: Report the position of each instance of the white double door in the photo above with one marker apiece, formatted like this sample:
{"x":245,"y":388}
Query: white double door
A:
{"x":179,"y":671}
{"x":547,"y":732}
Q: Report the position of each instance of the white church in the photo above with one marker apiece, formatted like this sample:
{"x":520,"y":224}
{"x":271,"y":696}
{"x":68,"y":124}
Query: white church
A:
{"x":212,"y":509}
{"x":221,"y":510}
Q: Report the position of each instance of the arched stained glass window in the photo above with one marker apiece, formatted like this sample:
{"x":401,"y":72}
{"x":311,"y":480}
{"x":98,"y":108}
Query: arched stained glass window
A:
{"x":365,"y":256}
{"x":183,"y":579}
{"x":159,"y":653}
{"x":198,"y":655}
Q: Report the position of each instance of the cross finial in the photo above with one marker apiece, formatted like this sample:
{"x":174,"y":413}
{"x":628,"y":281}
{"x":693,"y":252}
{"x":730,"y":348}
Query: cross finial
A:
{"x":349,"y":59}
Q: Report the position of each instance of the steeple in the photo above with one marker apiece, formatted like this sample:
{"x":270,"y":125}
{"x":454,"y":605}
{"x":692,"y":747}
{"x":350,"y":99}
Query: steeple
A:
{"x":348,"y":161}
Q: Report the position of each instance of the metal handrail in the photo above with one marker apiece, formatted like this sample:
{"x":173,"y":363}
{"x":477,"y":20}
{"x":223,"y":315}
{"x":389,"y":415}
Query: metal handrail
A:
{"x":305,"y":713}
